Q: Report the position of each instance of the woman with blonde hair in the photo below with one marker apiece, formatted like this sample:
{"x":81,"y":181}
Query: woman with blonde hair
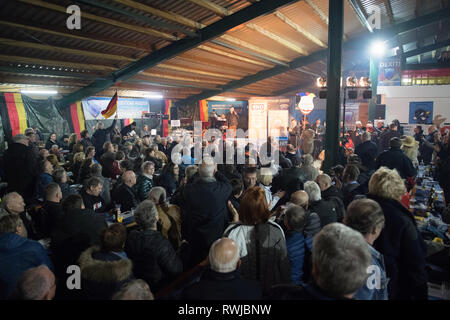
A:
{"x":78,"y":158}
{"x":73,"y":139}
{"x":400,"y":241}
{"x":410,"y":148}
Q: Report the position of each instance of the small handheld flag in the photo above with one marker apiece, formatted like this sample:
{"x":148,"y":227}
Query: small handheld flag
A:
{"x":111,"y":108}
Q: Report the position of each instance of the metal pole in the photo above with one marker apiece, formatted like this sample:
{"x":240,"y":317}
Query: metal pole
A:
{"x":335,"y":39}
{"x":374,"y":62}
{"x":343,"y":112}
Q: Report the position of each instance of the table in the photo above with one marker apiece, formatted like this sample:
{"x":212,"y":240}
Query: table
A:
{"x":128,"y":219}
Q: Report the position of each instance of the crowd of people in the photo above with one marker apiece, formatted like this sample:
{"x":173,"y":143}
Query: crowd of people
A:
{"x":214,"y":231}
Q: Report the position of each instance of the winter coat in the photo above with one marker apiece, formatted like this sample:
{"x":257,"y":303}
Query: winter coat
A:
{"x":102,"y":274}
{"x":101,"y":136}
{"x":404,"y":252}
{"x":223,"y":286}
{"x":375,"y":292}
{"x":297,"y":244}
{"x":396,"y":159}
{"x":325,"y":210}
{"x":21,"y":170}
{"x":124,"y":195}
{"x":154,"y":258}
{"x":143,"y":186}
{"x":205,"y":214}
{"x":18,"y":254}
{"x":263,"y":252}
{"x":367,"y":151}
{"x":44,"y":179}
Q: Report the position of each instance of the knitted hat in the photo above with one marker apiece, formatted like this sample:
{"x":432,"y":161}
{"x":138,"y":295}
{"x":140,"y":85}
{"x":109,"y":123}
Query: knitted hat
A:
{"x":395,"y":143}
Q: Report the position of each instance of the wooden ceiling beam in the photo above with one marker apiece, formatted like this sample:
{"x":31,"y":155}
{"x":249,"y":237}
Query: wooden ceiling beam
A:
{"x":211,"y":6}
{"x":162,"y":14}
{"x":283,"y":41}
{"x":96,"y":18}
{"x":254,"y":48}
{"x":84,"y":53}
{"x":87,"y":53}
{"x":55,"y":63}
{"x":300,"y":30}
{"x":233,"y":56}
{"x":79,"y":36}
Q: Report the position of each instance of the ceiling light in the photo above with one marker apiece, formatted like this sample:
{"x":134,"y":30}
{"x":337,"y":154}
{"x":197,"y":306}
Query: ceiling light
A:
{"x":44,"y":92}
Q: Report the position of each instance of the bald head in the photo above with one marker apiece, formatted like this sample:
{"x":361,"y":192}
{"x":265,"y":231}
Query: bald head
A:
{"x":129,"y":178}
{"x":13,"y":203}
{"x":37,"y":284}
{"x":324,"y":181}
{"x":300,"y":198}
{"x":224,"y":255}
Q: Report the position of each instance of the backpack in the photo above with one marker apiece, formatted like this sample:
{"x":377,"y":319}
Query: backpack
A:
{"x":338,"y":207}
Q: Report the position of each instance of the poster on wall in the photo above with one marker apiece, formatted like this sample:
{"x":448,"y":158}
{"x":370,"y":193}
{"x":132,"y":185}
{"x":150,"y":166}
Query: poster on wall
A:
{"x":257,"y":122}
{"x":421,"y":112}
{"x":223,"y":107}
{"x":126,"y":107}
{"x":390,"y":72}
{"x":278,"y":123}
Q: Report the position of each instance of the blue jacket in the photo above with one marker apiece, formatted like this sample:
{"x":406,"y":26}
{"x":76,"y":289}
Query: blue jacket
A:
{"x":377,"y":279}
{"x":18,"y":254}
{"x":43,"y":180}
{"x":295,"y":244}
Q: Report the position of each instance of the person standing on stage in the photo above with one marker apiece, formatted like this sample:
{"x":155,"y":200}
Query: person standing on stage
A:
{"x":294,"y":133}
{"x":232,"y":120}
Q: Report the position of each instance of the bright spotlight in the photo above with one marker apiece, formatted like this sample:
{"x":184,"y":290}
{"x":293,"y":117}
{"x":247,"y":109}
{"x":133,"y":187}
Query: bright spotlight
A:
{"x":378,"y":48}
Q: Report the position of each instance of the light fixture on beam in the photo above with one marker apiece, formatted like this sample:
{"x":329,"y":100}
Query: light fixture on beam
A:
{"x":378,"y":48}
{"x":321,"y":82}
{"x":153,"y":95}
{"x":230,"y":99}
{"x":39,"y":92}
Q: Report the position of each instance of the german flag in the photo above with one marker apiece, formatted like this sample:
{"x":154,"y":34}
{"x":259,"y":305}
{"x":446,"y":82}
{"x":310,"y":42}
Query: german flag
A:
{"x":111,"y":108}
{"x":168,"y":105}
{"x":75,"y":118}
{"x":203,"y":104}
{"x":14,"y":116}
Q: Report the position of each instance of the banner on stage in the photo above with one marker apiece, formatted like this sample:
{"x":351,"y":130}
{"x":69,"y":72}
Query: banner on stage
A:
{"x":390,"y":72}
{"x":126,"y":107}
{"x":257,"y":121}
{"x":278,"y":123}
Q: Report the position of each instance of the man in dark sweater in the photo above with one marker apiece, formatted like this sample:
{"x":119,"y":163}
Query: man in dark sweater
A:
{"x":124,"y":194}
{"x":91,"y":195}
{"x":102,"y":135}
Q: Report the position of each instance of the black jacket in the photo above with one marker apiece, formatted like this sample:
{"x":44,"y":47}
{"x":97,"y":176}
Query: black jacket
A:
{"x":93,"y":203}
{"x":325,"y":210}
{"x":77,"y":230}
{"x":367,"y":151}
{"x":21,"y":170}
{"x":126,"y":130}
{"x":154,"y":258}
{"x":54,"y":214}
{"x":404,"y":252}
{"x":125,"y":196}
{"x":223,"y":286}
{"x":102,"y":274}
{"x":332,"y":191}
{"x":385,"y":138}
{"x":100,"y":137}
{"x":308,"y":291}
{"x":396,"y":159}
{"x":205,"y":213}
